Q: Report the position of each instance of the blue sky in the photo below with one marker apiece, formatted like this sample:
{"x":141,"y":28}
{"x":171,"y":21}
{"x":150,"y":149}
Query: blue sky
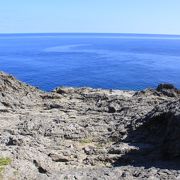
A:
{"x":103,"y":16}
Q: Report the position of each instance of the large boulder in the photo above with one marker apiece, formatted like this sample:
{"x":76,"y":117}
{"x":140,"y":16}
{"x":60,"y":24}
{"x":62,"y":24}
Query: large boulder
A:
{"x":168,"y":90}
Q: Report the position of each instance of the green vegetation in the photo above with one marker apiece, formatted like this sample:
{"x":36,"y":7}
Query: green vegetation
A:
{"x":86,"y":141}
{"x":4,"y":161}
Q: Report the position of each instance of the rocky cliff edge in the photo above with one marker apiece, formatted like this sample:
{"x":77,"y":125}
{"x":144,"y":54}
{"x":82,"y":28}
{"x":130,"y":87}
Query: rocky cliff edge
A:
{"x":85,"y":133}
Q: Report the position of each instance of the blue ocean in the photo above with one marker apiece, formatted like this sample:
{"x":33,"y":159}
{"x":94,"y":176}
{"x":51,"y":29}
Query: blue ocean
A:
{"x":111,"y":61}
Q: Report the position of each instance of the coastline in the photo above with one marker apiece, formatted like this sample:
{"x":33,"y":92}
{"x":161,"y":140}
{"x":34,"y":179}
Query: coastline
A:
{"x":86,"y":133}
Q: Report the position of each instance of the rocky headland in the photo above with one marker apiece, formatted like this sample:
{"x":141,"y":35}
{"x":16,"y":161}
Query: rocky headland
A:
{"x":88,"y":134}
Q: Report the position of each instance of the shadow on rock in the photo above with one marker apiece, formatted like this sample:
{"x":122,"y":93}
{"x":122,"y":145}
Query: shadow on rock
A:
{"x":156,"y":138}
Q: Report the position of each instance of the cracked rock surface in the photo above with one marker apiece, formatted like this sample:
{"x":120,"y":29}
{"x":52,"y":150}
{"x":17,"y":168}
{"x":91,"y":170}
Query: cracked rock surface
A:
{"x":85,"y":133}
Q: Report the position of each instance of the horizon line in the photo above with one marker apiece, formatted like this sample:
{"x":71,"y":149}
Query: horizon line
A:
{"x":155,"y":34}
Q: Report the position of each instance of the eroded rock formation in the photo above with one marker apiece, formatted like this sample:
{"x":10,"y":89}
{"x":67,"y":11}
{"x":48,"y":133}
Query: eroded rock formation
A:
{"x":84,"y":133}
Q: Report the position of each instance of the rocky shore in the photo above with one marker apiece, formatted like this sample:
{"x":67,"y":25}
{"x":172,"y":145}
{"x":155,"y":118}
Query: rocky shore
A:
{"x":88,"y":134}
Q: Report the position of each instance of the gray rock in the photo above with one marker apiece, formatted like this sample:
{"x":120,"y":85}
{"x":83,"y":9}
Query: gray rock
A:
{"x":85,"y":133}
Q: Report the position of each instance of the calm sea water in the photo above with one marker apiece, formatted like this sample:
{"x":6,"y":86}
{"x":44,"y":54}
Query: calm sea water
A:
{"x":118,"y":61}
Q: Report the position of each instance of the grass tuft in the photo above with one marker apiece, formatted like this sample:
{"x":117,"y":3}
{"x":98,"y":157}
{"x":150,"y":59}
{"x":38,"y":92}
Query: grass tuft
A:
{"x":4,"y":161}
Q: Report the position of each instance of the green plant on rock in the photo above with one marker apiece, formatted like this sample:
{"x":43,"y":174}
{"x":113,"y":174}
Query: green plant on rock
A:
{"x":86,"y":141}
{"x":4,"y":161}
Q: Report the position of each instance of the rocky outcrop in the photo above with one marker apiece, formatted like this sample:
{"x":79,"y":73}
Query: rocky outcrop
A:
{"x":168,"y":90}
{"x":85,"y":133}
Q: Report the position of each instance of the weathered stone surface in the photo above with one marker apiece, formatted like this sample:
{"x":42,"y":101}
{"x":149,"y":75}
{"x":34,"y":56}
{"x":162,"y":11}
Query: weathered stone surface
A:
{"x":85,"y":133}
{"x":168,"y":90}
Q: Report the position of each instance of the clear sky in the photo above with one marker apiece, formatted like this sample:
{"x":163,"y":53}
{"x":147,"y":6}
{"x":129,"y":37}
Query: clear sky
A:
{"x":103,"y":16}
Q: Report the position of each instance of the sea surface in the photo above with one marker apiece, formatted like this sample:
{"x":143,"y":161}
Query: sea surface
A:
{"x":111,"y":61}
